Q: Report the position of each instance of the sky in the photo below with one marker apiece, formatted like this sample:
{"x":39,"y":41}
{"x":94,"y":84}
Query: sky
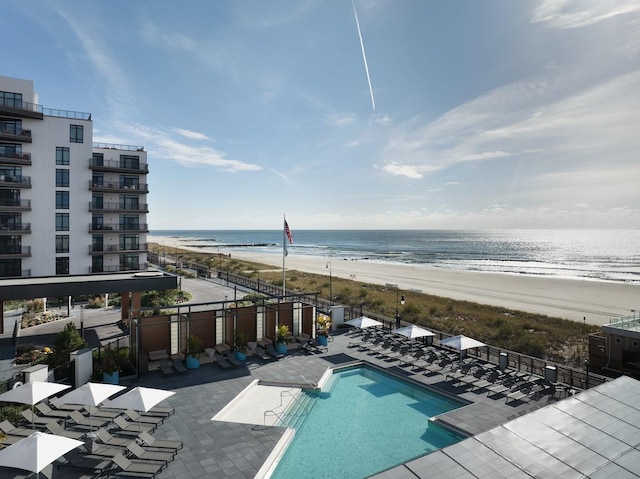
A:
{"x":422,"y":114}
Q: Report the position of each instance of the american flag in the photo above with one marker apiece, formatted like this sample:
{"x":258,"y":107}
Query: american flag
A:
{"x":287,"y":231}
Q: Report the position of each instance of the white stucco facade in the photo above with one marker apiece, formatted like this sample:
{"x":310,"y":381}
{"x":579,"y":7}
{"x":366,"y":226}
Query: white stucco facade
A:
{"x":67,"y":205}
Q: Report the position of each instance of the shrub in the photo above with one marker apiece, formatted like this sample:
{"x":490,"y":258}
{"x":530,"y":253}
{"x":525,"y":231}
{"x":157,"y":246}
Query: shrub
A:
{"x":67,"y":341}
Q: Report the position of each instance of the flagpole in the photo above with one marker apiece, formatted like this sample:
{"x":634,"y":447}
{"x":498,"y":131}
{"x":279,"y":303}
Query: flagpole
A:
{"x":284,"y":255}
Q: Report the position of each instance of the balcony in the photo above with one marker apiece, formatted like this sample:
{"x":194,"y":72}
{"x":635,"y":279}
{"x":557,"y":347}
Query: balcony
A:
{"x":114,"y":248}
{"x":116,"y":269}
{"x":15,"y":181}
{"x":25,"y":273}
{"x":14,"y":205}
{"x":15,"y":158}
{"x":118,"y":228}
{"x":21,"y":109}
{"x":99,"y":164}
{"x":119,"y":207}
{"x":22,"y":136}
{"x":15,"y":252}
{"x":11,"y":229}
{"x":115,"y":187}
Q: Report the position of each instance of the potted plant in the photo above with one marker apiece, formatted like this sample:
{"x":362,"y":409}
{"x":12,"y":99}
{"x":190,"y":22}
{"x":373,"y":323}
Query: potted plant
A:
{"x":282,"y":332}
{"x":193,"y":352}
{"x":110,"y":366}
{"x":323,"y":323}
{"x":240,"y":345}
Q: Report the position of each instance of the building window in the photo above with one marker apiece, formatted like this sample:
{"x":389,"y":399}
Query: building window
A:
{"x":62,"y":243}
{"x":62,"y":200}
{"x":129,"y":262}
{"x":130,"y":182}
{"x":617,"y":340}
{"x":129,"y":242}
{"x":97,"y":202}
{"x":130,"y":161}
{"x":77,"y":134}
{"x":62,"y":221}
{"x":97,"y":179}
{"x":62,"y":265}
{"x":634,"y":344}
{"x":62,"y":155}
{"x":97,"y":159}
{"x":13,"y":127}
{"x":14,"y":100}
{"x":62,"y":177}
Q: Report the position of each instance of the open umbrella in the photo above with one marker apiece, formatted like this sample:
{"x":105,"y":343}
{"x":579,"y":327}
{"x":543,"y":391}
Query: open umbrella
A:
{"x":91,"y":394}
{"x":461,"y":343}
{"x":412,"y":332}
{"x":139,"y":399}
{"x":37,"y":451}
{"x":363,"y":322}
{"x":32,"y":393}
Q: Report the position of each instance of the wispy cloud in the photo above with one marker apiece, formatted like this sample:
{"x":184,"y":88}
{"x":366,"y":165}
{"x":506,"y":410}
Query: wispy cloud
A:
{"x":575,"y":14}
{"x":159,"y":37}
{"x":194,"y":135}
{"x":280,"y":174}
{"x":340,"y":119}
{"x":166,"y":146}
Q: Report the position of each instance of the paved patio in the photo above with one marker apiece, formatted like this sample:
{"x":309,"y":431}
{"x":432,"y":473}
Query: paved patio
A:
{"x":232,"y":450}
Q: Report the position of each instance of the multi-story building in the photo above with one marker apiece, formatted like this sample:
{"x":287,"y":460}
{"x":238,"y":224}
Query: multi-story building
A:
{"x":67,"y":206}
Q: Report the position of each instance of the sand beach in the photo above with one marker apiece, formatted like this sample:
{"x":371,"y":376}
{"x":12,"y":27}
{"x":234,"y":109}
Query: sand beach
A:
{"x":597,"y":302}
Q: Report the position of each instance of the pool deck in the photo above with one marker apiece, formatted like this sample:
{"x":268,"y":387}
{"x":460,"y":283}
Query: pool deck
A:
{"x":236,"y":451}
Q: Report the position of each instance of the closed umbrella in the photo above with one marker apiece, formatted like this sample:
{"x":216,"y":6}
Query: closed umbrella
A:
{"x":91,"y":394}
{"x":37,"y":451}
{"x":32,"y":393}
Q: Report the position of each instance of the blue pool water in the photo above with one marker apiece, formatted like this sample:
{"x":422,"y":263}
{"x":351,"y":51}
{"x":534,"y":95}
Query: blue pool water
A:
{"x":368,"y":422}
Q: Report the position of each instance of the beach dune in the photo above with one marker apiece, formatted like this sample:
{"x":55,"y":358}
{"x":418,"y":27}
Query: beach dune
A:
{"x":596,"y":302}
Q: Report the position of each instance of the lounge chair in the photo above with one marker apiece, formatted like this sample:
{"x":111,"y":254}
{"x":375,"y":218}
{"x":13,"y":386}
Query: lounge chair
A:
{"x":58,"y":430}
{"x":40,"y":421}
{"x":221,"y":361}
{"x":86,"y":462}
{"x":123,"y":425}
{"x":106,"y":438}
{"x":47,"y":411}
{"x":179,"y":366}
{"x":81,"y":421}
{"x":230,"y":357}
{"x":165,"y":368}
{"x":261,"y":353}
{"x":148,"y":455}
{"x":151,"y":441}
{"x":144,"y":419}
{"x":271,"y":351}
{"x":8,"y":428}
{"x":137,"y":468}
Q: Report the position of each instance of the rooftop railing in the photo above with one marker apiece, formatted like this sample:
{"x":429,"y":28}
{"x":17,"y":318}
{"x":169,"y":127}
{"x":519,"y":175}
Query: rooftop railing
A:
{"x":115,"y":146}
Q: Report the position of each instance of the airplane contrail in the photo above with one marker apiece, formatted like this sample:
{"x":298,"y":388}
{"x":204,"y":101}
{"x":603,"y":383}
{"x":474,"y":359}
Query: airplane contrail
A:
{"x":364,"y":55}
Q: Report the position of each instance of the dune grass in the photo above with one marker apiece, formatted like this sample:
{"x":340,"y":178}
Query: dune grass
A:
{"x":555,"y":339}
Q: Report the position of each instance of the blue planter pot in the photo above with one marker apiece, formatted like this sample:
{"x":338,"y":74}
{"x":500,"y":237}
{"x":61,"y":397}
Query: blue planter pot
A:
{"x":240,"y":356}
{"x":281,"y":348}
{"x":323,"y":340}
{"x":113,"y":378}
{"x":192,"y":363}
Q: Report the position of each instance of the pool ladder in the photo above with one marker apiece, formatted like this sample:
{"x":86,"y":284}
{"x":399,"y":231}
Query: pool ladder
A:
{"x":289,"y":418}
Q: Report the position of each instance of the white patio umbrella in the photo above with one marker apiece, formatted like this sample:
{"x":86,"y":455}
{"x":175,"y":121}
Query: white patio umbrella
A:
{"x":139,"y":399}
{"x":32,"y":393}
{"x":363,"y":322}
{"x":37,"y":451}
{"x":461,"y":343}
{"x":412,"y":332}
{"x":92,"y":395}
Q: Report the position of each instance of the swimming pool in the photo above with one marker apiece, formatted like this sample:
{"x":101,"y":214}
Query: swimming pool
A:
{"x":368,"y":422}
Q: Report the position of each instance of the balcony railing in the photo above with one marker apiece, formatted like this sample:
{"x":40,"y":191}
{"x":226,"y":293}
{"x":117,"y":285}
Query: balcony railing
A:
{"x":114,"y":248}
{"x":16,"y":251}
{"x":15,"y":204}
{"x":109,"y":165}
{"x":139,"y":208}
{"x":115,"y":146}
{"x":19,"y":181}
{"x":20,"y":228}
{"x":25,"y":273}
{"x":15,"y":158}
{"x":116,"y":228}
{"x":119,"y":187}
{"x":21,"y":109}
{"x":17,"y":135}
{"x":115,"y":269}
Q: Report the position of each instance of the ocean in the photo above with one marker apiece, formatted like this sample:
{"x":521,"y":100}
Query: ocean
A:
{"x":601,"y":255}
